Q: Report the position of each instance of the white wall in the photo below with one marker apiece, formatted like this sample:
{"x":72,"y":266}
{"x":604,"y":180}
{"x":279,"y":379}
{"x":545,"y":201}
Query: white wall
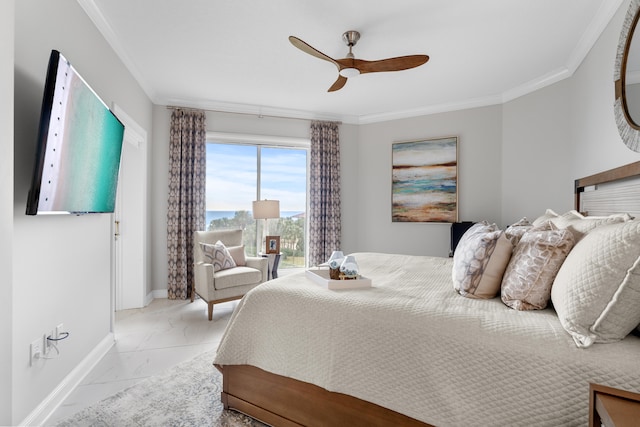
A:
{"x":6,"y":207}
{"x":536,"y":154}
{"x":479,"y":179}
{"x":61,"y":264}
{"x":595,"y":142}
{"x":563,"y":132}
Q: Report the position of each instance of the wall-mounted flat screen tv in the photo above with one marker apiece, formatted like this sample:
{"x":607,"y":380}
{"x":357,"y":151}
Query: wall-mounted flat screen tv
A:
{"x":78,"y":148}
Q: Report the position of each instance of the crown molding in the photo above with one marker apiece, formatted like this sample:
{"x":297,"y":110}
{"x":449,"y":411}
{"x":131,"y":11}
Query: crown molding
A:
{"x":431,"y":109}
{"x":95,"y":14}
{"x":536,"y":84}
{"x":600,"y":21}
{"x":259,"y":111}
{"x":594,"y":30}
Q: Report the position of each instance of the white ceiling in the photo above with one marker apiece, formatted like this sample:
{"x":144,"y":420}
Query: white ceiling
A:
{"x":235,"y":55}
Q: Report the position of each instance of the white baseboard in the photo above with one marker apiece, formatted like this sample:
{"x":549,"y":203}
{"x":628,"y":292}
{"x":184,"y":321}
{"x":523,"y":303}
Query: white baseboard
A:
{"x":47,"y":407}
{"x":160,"y":293}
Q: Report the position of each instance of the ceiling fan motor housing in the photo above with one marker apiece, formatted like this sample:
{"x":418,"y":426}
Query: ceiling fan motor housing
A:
{"x":351,"y":37}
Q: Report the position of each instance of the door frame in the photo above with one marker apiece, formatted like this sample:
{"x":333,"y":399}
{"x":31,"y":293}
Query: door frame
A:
{"x":137,"y":136}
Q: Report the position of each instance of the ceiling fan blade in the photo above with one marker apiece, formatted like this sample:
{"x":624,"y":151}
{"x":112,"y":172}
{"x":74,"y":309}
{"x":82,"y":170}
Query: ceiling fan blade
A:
{"x":339,"y":84}
{"x":310,"y":50}
{"x":391,"y":64}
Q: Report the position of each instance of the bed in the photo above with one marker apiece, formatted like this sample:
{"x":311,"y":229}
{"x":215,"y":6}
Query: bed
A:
{"x":412,"y":351}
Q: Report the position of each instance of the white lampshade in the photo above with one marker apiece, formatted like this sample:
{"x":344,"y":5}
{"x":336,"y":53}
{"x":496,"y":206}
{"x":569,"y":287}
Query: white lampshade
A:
{"x":263,"y":209}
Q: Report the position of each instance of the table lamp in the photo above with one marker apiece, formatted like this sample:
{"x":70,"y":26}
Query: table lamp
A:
{"x":265,"y":209}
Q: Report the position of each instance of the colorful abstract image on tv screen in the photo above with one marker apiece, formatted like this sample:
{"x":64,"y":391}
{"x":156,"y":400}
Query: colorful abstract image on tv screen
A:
{"x":82,"y":157}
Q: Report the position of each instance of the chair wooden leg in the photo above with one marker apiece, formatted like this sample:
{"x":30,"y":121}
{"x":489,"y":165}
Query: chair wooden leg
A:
{"x":210,"y":310}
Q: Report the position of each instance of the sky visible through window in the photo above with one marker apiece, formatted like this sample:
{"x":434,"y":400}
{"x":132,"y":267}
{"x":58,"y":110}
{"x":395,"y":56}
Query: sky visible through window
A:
{"x":232,"y":177}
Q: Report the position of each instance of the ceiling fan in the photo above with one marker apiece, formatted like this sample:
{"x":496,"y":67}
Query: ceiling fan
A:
{"x":351,"y":66}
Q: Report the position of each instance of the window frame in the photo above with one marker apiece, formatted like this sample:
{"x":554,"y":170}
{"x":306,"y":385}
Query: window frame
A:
{"x":268,"y":141}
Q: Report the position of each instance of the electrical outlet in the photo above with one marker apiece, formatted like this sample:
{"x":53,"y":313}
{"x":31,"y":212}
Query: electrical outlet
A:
{"x":59,"y":330}
{"x":36,"y":350}
{"x":45,"y":344}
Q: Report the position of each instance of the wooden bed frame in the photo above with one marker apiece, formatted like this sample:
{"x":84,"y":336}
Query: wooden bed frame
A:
{"x":282,"y":401}
{"x":616,"y":174}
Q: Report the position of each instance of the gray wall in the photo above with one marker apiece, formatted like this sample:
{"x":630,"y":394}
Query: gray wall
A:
{"x":536,"y":154}
{"x":479,"y":179}
{"x":562,"y":132}
{"x":595,"y":142}
{"x":61,"y":264}
{"x":6,"y":208}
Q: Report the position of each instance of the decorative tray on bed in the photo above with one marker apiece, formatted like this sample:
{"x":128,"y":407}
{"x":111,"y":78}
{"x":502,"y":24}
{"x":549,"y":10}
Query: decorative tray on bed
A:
{"x":320,"y":276}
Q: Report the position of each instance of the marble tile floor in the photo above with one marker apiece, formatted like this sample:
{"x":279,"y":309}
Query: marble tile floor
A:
{"x":149,"y":341}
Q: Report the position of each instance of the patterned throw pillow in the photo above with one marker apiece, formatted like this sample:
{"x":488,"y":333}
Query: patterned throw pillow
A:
{"x":479,"y":261}
{"x":597,"y":290}
{"x":536,"y":259}
{"x":218,"y":255}
{"x":514,"y":232}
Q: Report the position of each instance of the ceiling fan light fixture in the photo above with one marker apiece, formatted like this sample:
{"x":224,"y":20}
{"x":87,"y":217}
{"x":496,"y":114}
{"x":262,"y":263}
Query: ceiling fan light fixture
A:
{"x":349,"y":72}
{"x":351,"y":66}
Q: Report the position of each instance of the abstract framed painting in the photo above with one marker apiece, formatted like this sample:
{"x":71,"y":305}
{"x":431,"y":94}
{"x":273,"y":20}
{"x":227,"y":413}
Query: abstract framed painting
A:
{"x":425,"y":180}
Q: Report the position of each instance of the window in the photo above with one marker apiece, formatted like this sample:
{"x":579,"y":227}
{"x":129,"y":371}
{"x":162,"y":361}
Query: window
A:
{"x":240,"y":172}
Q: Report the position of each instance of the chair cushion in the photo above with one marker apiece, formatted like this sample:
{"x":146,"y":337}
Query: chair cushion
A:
{"x":236,"y":276}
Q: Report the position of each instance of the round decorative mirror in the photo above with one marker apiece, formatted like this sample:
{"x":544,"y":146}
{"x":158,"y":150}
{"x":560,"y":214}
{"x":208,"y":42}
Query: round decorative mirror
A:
{"x":627,"y":79}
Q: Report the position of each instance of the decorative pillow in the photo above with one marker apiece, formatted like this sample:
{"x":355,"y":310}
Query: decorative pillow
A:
{"x":218,"y":255}
{"x":237,"y":253}
{"x":515,"y":231}
{"x":597,"y":290}
{"x":481,"y":256}
{"x":580,"y":225}
{"x":549,"y":214}
{"x":536,"y":259}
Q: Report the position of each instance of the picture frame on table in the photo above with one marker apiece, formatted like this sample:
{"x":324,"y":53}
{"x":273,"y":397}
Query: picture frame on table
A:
{"x":273,"y":245}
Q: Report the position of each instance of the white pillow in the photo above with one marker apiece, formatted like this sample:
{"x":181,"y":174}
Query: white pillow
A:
{"x":580,"y":225}
{"x":546,"y":216}
{"x":597,"y":290}
{"x":479,"y":261}
{"x":238,"y":255}
{"x":218,"y":255}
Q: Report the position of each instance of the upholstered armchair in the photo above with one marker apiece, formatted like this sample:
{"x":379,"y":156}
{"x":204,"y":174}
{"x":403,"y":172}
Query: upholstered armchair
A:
{"x":228,"y":280}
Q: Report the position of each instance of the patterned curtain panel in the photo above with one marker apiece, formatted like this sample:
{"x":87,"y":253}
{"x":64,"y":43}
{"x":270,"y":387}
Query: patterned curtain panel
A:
{"x":324,"y":192}
{"x":186,"y":213}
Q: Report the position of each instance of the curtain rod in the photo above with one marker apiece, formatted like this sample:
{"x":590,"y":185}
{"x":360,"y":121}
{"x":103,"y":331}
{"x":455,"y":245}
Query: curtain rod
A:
{"x":259,"y":115}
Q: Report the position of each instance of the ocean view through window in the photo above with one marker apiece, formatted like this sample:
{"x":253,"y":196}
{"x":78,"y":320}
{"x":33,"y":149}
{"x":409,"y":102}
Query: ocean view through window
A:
{"x":238,"y":174}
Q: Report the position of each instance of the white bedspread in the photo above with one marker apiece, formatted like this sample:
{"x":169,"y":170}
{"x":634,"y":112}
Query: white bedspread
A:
{"x":411,"y":344}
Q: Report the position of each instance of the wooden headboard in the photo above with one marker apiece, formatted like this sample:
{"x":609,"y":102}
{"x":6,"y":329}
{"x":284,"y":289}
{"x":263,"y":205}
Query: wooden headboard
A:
{"x":614,"y":191}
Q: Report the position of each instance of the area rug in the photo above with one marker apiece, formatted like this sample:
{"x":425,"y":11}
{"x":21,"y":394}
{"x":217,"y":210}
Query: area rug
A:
{"x":186,"y":395}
